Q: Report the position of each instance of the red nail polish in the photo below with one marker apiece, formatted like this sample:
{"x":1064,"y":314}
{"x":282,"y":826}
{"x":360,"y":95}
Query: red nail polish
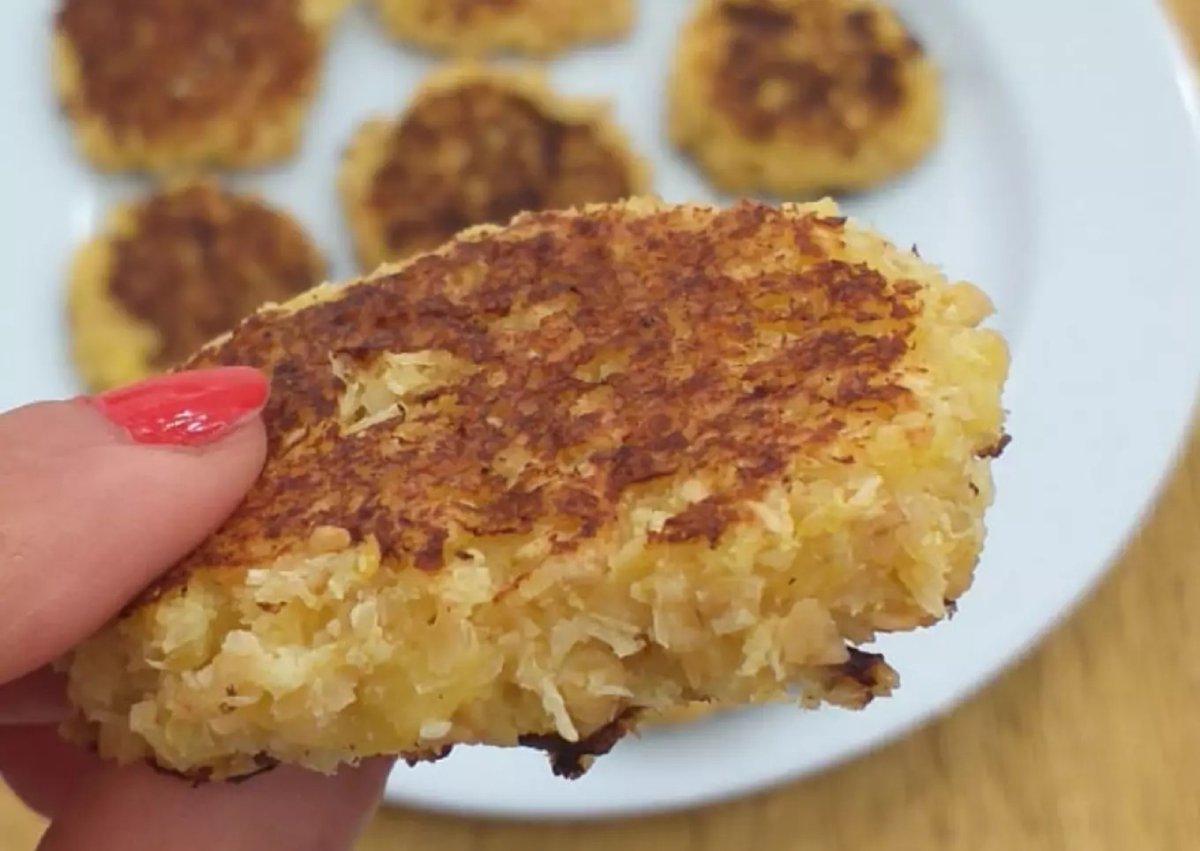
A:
{"x":186,"y":408}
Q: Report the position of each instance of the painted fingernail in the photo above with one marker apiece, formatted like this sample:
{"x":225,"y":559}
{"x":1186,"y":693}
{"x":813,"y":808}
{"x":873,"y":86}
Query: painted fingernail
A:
{"x":186,"y":408}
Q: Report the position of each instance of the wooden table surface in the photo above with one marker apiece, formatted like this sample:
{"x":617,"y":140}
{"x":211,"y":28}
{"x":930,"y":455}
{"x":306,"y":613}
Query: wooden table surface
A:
{"x":1091,"y":743}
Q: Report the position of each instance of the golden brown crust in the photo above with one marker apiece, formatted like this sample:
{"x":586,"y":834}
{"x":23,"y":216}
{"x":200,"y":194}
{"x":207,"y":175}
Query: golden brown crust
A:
{"x":179,"y":268}
{"x":572,"y":759}
{"x":166,"y":84}
{"x":478,"y":27}
{"x":589,"y":468}
{"x":840,"y":86}
{"x":674,"y":376}
{"x":475,"y":147}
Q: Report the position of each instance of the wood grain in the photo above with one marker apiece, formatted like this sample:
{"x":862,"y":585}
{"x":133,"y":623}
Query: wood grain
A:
{"x":1092,"y":743}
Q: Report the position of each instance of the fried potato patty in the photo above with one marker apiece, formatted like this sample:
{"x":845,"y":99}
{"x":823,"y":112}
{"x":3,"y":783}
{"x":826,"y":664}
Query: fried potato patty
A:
{"x":555,"y":475}
{"x":174,"y":85}
{"x":171,"y":271}
{"x":480,"y":27}
{"x":800,"y":97}
{"x":477,"y":146}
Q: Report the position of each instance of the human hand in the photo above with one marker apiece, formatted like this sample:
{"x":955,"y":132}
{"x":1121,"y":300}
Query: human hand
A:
{"x":98,"y":497}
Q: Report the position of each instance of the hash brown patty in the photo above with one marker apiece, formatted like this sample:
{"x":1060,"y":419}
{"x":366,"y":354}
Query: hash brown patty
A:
{"x":171,"y":271}
{"x":801,"y":97}
{"x":178,"y":85}
{"x":477,"y":146}
{"x":552,"y":476}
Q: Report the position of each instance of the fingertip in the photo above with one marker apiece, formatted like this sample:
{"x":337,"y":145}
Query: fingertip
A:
{"x":189,"y":408}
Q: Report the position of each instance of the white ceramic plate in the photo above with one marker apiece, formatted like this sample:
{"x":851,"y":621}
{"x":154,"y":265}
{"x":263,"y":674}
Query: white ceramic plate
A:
{"x":1068,"y":187}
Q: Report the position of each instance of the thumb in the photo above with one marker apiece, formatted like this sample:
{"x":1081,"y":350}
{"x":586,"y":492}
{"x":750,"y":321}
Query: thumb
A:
{"x":98,"y":496}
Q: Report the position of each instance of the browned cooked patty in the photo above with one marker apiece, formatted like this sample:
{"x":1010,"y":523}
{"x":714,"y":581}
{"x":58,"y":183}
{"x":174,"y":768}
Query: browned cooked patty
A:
{"x":802,"y":96}
{"x":477,"y":146}
{"x":558,"y":475}
{"x":172,"y":271}
{"x":166,"y":85}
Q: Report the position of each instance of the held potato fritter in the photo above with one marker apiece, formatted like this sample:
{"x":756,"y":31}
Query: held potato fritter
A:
{"x":477,"y":146}
{"x":480,"y":27}
{"x":173,"y":85}
{"x":171,"y":271}
{"x":799,"y":97}
{"x":555,"y":475}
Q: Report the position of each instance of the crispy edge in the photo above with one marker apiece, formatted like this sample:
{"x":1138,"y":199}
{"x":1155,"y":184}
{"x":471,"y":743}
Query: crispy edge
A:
{"x":401,"y":19}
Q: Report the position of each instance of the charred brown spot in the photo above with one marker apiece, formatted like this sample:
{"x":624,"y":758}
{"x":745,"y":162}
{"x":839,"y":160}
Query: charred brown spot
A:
{"x":705,"y":520}
{"x":149,"y":67}
{"x":198,"y":260}
{"x":757,"y":16}
{"x":633,"y":465}
{"x":809,"y":68}
{"x":509,"y":156}
{"x":429,"y":555}
{"x":861,"y":22}
{"x":869,"y":670}
{"x":820,"y":337}
{"x":414,"y":759}
{"x":996,"y":449}
{"x":572,"y":759}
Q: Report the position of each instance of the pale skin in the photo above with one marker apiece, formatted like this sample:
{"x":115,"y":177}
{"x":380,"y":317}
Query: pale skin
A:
{"x":88,"y":517}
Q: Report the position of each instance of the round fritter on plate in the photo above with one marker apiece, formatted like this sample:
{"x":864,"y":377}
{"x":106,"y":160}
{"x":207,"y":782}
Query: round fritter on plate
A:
{"x":556,"y":475}
{"x":169,"y":85}
{"x":477,"y":146}
{"x":800,"y":97}
{"x":480,"y":27}
{"x":171,"y":271}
